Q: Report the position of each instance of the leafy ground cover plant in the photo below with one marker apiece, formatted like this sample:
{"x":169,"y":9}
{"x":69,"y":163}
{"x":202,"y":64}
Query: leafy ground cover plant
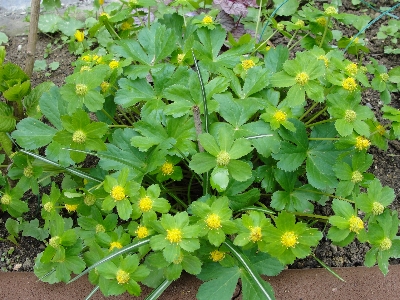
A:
{"x":213,"y":151}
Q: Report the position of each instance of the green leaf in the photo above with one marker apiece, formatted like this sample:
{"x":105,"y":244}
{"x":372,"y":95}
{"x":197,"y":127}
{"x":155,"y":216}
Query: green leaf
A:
{"x":33,"y":134}
{"x":17,"y":91}
{"x":53,"y":107}
{"x":49,"y":22}
{"x":222,"y":287}
{"x":7,"y":119}
{"x":275,"y":58}
{"x":31,"y":101}
{"x":32,"y":228}
{"x":220,"y":178}
{"x":239,"y":170}
{"x":3,"y":40}
{"x":133,"y":91}
{"x":288,"y":8}
{"x":202,"y":162}
{"x":39,"y":65}
{"x":12,"y":227}
{"x":256,"y":79}
{"x":294,"y":147}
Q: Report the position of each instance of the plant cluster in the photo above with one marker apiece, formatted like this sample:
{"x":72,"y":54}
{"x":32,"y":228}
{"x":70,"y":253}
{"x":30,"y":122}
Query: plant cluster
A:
{"x":209,"y":153}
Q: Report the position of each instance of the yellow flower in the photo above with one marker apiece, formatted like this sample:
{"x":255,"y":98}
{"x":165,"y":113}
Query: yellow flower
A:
{"x":89,"y":199}
{"x":86,"y":58}
{"x":104,"y":86}
{"x":145,"y":204}
{"x":48,"y":206}
{"x":126,"y":26}
{"x":213,"y":221}
{"x":55,"y":242}
{"x":362,"y":143}
{"x":352,"y":69}
{"x":28,"y":171}
{"x":350,"y":115}
{"x":100,"y":228}
{"x":167,"y":169}
{"x":302,"y":78}
{"x":384,"y":77}
{"x":81,"y":89}
{"x":331,"y":10}
{"x":386,"y":244}
{"x":267,"y":48}
{"x":174,"y":235}
{"x":248,"y":64}
{"x":142,"y":232}
{"x":79,"y":35}
{"x":255,"y":234}
{"x":113,"y":245}
{"x":118,"y":193}
{"x":122,"y":276}
{"x":113,"y":64}
{"x":280,"y":116}
{"x":180,"y":58}
{"x":355,"y":40}
{"x":355,"y":224}
{"x":84,"y":68}
{"x":377,"y":208}
{"x":300,"y":23}
{"x":325,"y":59}
{"x":349,"y":84}
{"x":207,"y":20}
{"x":289,"y":239}
{"x":280,"y":26}
{"x":321,"y":21}
{"x":79,"y":137}
{"x":223,"y":158}
{"x":71,"y":207}
{"x":356,"y":177}
{"x":217,"y":255}
{"x":101,"y":2}
{"x":381,"y":130}
{"x":105,"y":14}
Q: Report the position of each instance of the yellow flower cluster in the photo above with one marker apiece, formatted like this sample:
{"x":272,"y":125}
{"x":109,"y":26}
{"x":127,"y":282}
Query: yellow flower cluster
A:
{"x":114,"y":245}
{"x":79,"y":137}
{"x":289,"y":239}
{"x":248,"y":64}
{"x":349,"y":84}
{"x":113,"y":64}
{"x":28,"y":171}
{"x":223,"y":158}
{"x":321,"y":21}
{"x":48,"y":206}
{"x":280,"y":116}
{"x":104,"y":86}
{"x":122,"y":277}
{"x":384,"y":77}
{"x":300,"y":23}
{"x":356,"y":177}
{"x":325,"y":59}
{"x":207,"y":20}
{"x":126,"y":26}
{"x":81,"y":89}
{"x":174,"y":235}
{"x":331,"y":10}
{"x":352,"y":69}
{"x":362,"y":143}
{"x":142,"y":232}
{"x":71,"y":207}
{"x":89,"y":199}
{"x":377,"y":208}
{"x":167,"y":169}
{"x":100,"y":228}
{"x":386,"y":244}
{"x":255,"y":234}
{"x":350,"y":115}
{"x":213,"y":221}
{"x":355,"y":224}
{"x":79,"y":36}
{"x":302,"y":78}
{"x":55,"y":242}
{"x":145,"y":204}
{"x":217,"y":255}
{"x":118,"y":193}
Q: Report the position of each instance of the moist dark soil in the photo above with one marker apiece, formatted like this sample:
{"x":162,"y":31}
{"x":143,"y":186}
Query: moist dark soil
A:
{"x":386,"y":164}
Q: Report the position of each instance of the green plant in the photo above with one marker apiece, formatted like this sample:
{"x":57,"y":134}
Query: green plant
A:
{"x":211,"y":157}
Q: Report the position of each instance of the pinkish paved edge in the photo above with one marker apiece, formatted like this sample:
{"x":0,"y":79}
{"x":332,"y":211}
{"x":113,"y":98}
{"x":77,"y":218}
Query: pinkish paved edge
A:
{"x":309,"y":284}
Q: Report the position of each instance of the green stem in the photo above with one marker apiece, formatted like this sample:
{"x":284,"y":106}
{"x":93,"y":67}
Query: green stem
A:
{"x":324,"y":218}
{"x":125,"y":116}
{"x":320,"y":122}
{"x":294,"y":45}
{"x":291,"y":39}
{"x":109,"y":116}
{"x":258,"y":20}
{"x":266,"y":41}
{"x":316,"y":115}
{"x":173,"y":196}
{"x":308,"y":110}
{"x":326,"y":194}
{"x":120,"y":126}
{"x":323,"y":139}
{"x":325,"y":31}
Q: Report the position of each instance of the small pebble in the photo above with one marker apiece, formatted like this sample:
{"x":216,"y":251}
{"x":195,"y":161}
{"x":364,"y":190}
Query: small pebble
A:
{"x":17,"y":267}
{"x":19,"y":47}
